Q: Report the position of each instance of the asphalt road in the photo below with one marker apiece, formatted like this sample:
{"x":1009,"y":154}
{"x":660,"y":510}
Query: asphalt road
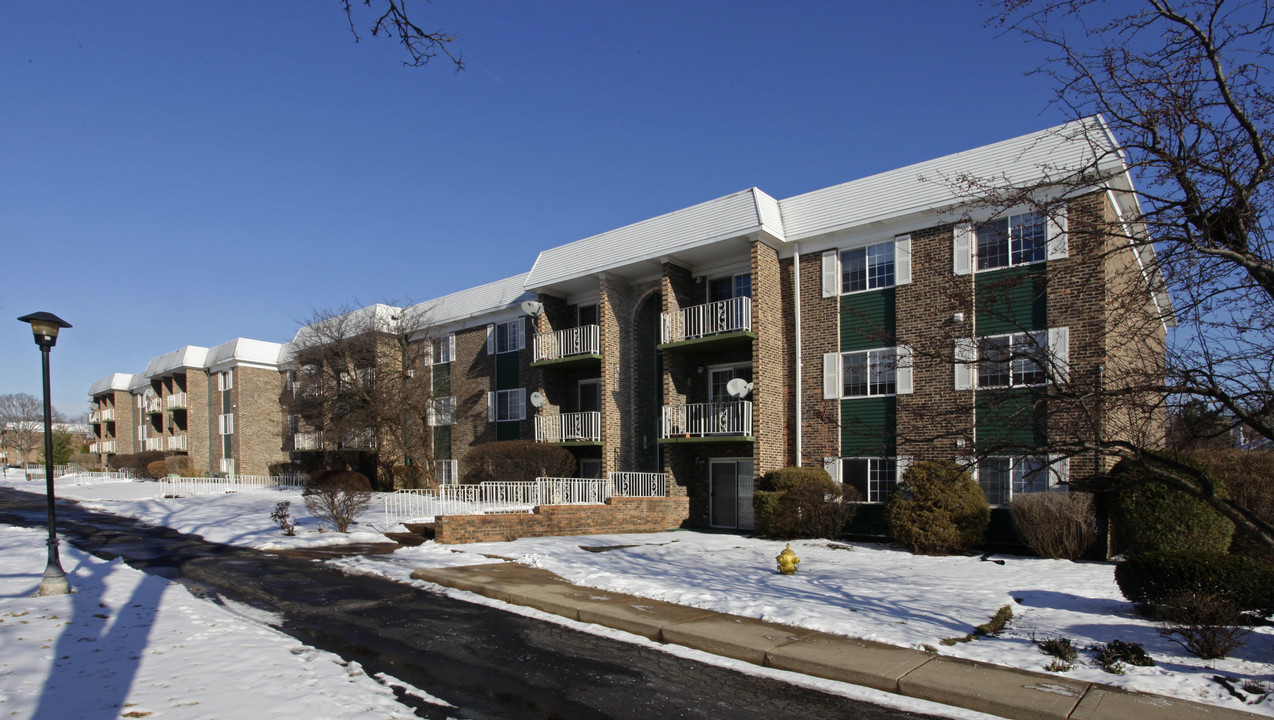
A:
{"x":487,"y":663}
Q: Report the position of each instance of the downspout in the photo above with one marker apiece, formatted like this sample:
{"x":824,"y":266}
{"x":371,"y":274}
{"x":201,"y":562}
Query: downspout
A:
{"x":208,"y":392}
{"x":799,"y":366}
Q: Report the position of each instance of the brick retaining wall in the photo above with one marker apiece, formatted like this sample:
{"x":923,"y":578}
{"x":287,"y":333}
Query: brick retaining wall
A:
{"x":618,"y":515}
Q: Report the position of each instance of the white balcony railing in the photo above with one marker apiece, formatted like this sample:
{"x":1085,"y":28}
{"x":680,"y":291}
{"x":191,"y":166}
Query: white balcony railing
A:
{"x":638,"y":484}
{"x":565,"y":343}
{"x":569,"y":427}
{"x":706,"y":419}
{"x":176,"y":401}
{"x":307,"y":441}
{"x":178,"y":442}
{"x":153,"y":405}
{"x":107,"y":414}
{"x":155,"y":443}
{"x":724,"y":316}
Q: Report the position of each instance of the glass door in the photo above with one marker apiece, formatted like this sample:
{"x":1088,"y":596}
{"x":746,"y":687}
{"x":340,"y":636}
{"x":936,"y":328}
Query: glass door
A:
{"x":730,"y":494}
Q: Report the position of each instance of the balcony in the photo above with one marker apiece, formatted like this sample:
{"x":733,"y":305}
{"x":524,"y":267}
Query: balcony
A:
{"x":307,"y":441}
{"x":580,"y":427}
{"x":571,"y":346}
{"x":176,"y":401}
{"x":712,"y":327}
{"x":178,"y":442}
{"x":104,"y":447}
{"x":156,"y":443}
{"x":153,"y":405}
{"x":102,"y":415}
{"x":707,"y":422}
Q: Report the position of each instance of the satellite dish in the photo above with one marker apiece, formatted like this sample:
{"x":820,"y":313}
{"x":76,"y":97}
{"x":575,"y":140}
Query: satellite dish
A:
{"x":537,"y":399}
{"x":738,"y":388}
{"x":532,"y":308}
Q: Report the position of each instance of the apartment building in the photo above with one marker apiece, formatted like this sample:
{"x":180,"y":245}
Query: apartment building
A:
{"x":111,"y":416}
{"x":860,"y":328}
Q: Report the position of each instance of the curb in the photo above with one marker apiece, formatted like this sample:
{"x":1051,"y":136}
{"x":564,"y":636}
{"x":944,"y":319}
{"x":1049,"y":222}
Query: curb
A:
{"x":1007,"y":692}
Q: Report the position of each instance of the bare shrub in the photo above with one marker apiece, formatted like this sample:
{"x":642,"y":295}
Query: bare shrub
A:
{"x":517,"y":461}
{"x":1206,"y":624}
{"x":157,"y":469}
{"x":282,"y":516}
{"x":337,"y":497}
{"x":814,"y":510}
{"x":178,"y":464}
{"x":1054,"y":524}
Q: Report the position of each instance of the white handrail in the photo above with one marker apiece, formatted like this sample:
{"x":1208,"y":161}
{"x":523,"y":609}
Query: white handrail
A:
{"x":704,"y":419}
{"x":565,"y":343}
{"x":569,"y":427}
{"x":696,"y":321}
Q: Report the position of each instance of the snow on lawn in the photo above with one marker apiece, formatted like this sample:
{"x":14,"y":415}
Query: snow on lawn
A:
{"x":860,"y":590}
{"x":128,"y":644}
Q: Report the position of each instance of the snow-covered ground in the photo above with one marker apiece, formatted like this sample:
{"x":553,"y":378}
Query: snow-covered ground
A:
{"x":861,"y":590}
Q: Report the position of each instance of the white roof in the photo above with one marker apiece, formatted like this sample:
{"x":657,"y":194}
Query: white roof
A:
{"x":191,"y":356}
{"x":473,"y":302}
{"x":379,"y":316}
{"x":116,"y":381}
{"x":725,"y":218}
{"x":245,"y":351}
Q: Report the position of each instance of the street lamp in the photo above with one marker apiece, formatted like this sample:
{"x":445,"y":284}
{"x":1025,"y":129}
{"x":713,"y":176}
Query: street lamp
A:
{"x":46,"y":326}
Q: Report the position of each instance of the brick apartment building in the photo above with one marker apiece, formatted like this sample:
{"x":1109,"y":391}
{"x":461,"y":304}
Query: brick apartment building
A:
{"x":859,"y":328}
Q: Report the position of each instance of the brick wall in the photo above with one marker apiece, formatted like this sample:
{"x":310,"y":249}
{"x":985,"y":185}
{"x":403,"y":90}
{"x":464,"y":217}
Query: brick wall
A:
{"x":820,"y":334}
{"x":771,"y":360}
{"x":472,"y":377}
{"x":618,"y":515}
{"x":259,"y":420}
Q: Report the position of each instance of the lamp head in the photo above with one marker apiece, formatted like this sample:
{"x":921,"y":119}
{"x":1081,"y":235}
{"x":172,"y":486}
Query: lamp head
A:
{"x":45,"y":326}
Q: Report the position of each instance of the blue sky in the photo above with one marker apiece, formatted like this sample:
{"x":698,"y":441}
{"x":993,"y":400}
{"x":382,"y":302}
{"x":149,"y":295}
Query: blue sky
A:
{"x":186,"y":173}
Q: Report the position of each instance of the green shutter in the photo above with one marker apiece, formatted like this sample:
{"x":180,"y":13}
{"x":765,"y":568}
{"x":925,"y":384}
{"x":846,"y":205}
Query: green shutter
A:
{"x":1012,"y":300}
{"x":442,"y":442}
{"x":442,"y":380}
{"x":867,"y":320}
{"x":1012,"y":417}
{"x":868,"y":426}
{"x":506,"y":371}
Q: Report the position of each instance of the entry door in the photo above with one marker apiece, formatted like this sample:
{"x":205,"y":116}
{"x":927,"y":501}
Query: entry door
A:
{"x":730,"y":494}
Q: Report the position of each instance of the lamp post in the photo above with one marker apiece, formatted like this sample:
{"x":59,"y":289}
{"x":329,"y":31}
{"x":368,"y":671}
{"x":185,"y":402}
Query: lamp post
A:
{"x":46,"y":326}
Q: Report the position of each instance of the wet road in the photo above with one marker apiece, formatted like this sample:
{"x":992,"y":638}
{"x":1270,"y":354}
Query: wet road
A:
{"x":487,"y":663}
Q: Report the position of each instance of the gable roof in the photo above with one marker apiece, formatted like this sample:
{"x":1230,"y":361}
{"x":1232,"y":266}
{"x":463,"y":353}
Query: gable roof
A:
{"x":481,"y":300}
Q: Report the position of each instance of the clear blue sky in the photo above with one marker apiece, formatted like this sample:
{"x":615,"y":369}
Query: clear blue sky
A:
{"x":177,"y":173}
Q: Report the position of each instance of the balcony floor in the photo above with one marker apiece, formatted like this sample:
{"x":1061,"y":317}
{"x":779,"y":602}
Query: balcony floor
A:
{"x":732,"y":439}
{"x":712,"y":343}
{"x":571,"y":361}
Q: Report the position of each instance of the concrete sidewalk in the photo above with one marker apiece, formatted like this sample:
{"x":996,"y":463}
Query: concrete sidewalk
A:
{"x":978,"y":686}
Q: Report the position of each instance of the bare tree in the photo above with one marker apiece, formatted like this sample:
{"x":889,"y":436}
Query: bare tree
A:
{"x":1175,"y":103}
{"x":22,"y":424}
{"x":391,"y":19}
{"x":362,"y":383}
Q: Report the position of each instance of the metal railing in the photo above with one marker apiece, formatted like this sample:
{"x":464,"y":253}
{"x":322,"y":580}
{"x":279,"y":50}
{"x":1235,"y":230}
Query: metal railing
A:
{"x":155,"y":443}
{"x":307,"y":441}
{"x":153,"y":405}
{"x":705,"y":419}
{"x":102,"y":415}
{"x":492,"y":497}
{"x":178,"y":442}
{"x":569,"y":427}
{"x":565,"y":343}
{"x":723,"y":316}
{"x":176,"y":401}
{"x":638,"y":484}
{"x":220,"y":486}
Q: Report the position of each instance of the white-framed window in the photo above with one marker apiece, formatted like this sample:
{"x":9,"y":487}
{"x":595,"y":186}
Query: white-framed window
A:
{"x":294,"y":424}
{"x":1019,"y":359}
{"x":225,"y":380}
{"x":1002,"y":477}
{"x":441,"y":350}
{"x":448,"y":471}
{"x":868,"y":373}
{"x":506,"y":405}
{"x":1018,"y":238}
{"x":506,"y":337}
{"x":225,"y":424}
{"x":442,"y":411}
{"x":875,"y":477}
{"x":730,"y":287}
{"x":870,"y":267}
{"x":719,"y":377}
{"x":227,"y":466}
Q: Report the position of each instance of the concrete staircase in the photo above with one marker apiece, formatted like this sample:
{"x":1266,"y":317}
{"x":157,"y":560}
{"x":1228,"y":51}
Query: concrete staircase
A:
{"x":417,"y":533}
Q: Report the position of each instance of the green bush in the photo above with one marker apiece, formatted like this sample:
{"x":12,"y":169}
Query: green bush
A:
{"x":789,"y":477}
{"x":137,"y":462}
{"x":765,"y":510}
{"x":1152,"y":517}
{"x":937,"y":509}
{"x":1151,"y":579}
{"x":1249,"y":479}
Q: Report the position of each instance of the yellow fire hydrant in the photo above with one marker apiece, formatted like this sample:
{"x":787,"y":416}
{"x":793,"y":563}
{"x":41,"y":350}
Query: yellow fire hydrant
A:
{"x":788,"y":561}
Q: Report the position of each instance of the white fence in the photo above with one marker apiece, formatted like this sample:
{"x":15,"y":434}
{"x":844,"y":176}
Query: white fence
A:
{"x":517,"y":497}
{"x":569,"y":427}
{"x":178,"y":442}
{"x":565,"y":343}
{"x":705,"y":419}
{"x":723,"y":316}
{"x":176,"y":401}
{"x":221,"y":486}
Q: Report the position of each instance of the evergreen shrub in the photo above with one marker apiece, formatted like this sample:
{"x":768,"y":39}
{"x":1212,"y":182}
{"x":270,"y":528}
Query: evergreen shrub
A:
{"x":1152,"y":517}
{"x":937,"y":509}
{"x":1151,"y":579}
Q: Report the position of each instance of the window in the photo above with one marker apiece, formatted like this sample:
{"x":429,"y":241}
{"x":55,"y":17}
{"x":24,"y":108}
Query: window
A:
{"x":719,"y":378}
{"x":587,"y":315}
{"x":1011,"y":360}
{"x":506,"y":405}
{"x":225,"y":423}
{"x":867,"y":268}
{"x":225,"y":380}
{"x":443,"y":350}
{"x":867,"y":373}
{"x":730,"y":287}
{"x":448,"y":471}
{"x":506,"y":337}
{"x":875,"y":478}
{"x":442,"y":411}
{"x":1003,"y":477}
{"x":1014,"y":240}
{"x":590,"y":468}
